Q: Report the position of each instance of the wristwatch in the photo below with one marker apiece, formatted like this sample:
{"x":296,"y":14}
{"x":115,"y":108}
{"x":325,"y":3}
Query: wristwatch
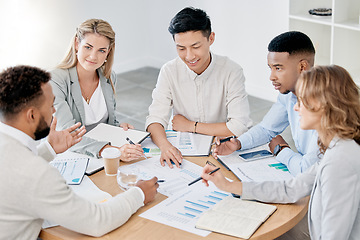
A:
{"x":279,"y":147}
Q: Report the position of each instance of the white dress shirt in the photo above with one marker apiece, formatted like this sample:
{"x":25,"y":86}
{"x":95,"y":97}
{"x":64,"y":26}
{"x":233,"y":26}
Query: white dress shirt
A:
{"x":96,"y":111}
{"x":25,"y":139}
{"x":216,"y":95}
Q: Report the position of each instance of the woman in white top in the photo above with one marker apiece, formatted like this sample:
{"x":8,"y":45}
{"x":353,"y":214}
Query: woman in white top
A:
{"x":83,"y":85}
{"x":328,"y":101}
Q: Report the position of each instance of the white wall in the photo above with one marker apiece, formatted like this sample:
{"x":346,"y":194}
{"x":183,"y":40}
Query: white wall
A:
{"x":38,"y":32}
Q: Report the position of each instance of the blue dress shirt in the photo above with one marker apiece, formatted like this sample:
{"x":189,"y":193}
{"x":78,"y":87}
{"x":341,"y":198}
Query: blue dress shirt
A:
{"x":280,"y":115}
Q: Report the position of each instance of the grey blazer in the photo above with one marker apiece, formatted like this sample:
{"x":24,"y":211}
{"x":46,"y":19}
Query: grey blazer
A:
{"x":70,"y":109}
{"x":334,"y":183}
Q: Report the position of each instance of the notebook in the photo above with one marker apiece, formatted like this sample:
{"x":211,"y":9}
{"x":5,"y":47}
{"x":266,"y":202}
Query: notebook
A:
{"x":235,"y":217}
{"x":116,"y":135}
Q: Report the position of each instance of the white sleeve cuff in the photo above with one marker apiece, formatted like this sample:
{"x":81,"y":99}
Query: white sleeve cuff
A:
{"x":141,"y":192}
{"x":49,"y":147}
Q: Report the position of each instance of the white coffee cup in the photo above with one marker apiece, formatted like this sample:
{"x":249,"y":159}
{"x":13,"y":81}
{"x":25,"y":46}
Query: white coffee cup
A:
{"x":111,"y":158}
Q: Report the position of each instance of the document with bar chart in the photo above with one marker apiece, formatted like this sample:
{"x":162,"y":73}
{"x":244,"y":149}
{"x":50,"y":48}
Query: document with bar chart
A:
{"x":189,"y":144}
{"x":183,"y":210}
{"x":262,"y":170}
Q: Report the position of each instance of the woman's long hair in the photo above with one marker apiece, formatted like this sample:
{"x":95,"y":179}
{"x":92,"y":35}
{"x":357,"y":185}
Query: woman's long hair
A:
{"x":97,"y":26}
{"x":338,"y":95}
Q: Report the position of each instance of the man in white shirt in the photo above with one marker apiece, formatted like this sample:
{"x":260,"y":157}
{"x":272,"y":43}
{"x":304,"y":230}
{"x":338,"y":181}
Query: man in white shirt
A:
{"x":204,"y":91}
{"x":31,"y":189}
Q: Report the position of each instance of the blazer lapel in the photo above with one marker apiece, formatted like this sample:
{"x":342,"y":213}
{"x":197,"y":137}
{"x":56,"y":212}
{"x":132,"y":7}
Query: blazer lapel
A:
{"x":108,"y":95}
{"x":76,"y":93}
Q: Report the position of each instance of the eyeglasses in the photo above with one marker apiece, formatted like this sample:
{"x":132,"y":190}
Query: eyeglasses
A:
{"x":210,"y":163}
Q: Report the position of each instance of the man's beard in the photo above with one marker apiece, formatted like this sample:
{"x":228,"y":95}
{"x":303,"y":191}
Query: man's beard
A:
{"x":42,"y":129}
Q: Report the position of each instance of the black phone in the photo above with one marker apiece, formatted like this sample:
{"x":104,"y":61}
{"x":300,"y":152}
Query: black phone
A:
{"x":256,"y":155}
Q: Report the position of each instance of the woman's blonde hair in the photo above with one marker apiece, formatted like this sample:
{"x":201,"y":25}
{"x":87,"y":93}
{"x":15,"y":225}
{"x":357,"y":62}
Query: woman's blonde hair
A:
{"x":338,"y":95}
{"x":100,"y":27}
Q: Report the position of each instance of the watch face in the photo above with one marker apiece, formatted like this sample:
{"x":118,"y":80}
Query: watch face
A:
{"x":277,"y":149}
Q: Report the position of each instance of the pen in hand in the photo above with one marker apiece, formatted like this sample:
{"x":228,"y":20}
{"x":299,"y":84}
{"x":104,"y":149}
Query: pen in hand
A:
{"x":199,"y":178}
{"x":224,"y":140}
{"x":131,"y":142}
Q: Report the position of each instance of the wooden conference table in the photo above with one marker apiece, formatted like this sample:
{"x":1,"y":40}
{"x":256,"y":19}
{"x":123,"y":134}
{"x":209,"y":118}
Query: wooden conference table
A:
{"x":284,"y":218}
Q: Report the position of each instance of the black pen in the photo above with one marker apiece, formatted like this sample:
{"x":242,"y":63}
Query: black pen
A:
{"x":224,"y":140}
{"x":198,"y":179}
{"x":160,"y":181}
{"x":131,"y":142}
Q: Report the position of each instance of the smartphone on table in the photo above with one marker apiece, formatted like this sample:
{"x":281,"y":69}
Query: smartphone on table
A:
{"x":251,"y":156}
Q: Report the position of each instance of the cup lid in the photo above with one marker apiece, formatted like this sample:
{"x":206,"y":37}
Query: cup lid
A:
{"x":111,"y":152}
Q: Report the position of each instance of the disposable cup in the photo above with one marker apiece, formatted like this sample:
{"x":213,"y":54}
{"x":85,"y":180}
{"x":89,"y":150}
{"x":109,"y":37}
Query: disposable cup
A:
{"x":111,"y":158}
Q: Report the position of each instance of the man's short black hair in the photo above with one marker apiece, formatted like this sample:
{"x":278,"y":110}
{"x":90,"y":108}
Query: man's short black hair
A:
{"x":19,"y":87}
{"x":190,"y":19}
{"x":292,"y":42}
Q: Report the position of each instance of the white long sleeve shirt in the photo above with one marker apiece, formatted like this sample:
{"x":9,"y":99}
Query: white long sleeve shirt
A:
{"x":216,"y":95}
{"x":32,"y":190}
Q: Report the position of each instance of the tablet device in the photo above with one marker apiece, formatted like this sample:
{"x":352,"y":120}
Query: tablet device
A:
{"x":256,"y":155}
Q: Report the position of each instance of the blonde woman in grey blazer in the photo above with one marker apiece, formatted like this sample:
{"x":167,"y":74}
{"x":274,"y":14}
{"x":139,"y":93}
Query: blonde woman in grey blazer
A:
{"x":328,"y":101}
{"x":83,"y":85}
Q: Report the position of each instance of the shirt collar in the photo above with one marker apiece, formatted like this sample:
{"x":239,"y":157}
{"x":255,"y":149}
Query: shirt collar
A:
{"x":22,"y":137}
{"x":333,"y":142}
{"x":206,"y":73}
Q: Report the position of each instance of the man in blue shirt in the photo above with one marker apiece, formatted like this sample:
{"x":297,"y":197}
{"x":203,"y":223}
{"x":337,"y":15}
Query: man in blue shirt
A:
{"x":289,"y":54}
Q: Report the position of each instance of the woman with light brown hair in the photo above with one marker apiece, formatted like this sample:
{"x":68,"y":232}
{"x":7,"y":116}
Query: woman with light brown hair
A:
{"x":328,"y":101}
{"x":84,"y":86}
